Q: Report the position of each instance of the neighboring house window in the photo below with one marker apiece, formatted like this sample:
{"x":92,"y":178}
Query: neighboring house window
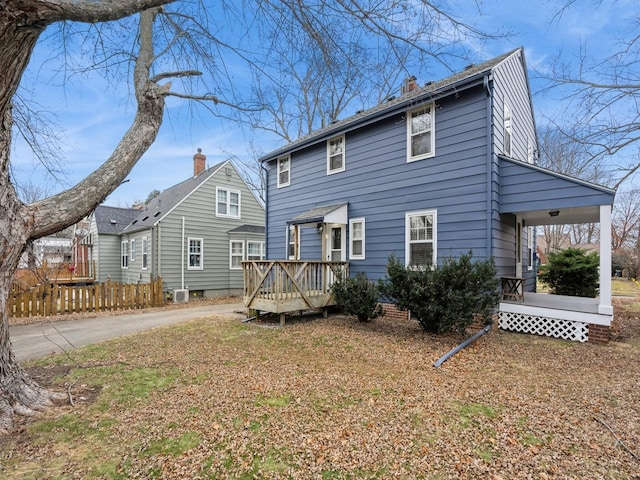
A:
{"x":420,"y":133}
{"x":284,"y":171}
{"x":227,"y":203}
{"x":145,"y":247}
{"x":507,"y":129}
{"x":255,"y":250}
{"x":132,"y":255}
{"x":236,"y":254}
{"x":335,"y":155}
{"x":195,"y":254}
{"x":420,"y":235}
{"x":356,"y":236}
{"x":529,"y":152}
{"x":124,"y":254}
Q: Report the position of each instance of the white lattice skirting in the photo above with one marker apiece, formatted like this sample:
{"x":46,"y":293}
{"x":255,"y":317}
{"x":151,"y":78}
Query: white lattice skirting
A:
{"x":550,"y":327}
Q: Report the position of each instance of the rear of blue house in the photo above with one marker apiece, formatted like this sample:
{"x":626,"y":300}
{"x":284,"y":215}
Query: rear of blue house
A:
{"x":445,"y":168}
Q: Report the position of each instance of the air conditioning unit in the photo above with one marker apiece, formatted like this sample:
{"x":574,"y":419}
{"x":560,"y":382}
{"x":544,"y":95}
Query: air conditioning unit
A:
{"x":180,"y":296}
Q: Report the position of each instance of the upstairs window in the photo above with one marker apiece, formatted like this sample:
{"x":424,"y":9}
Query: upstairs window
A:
{"x":227,"y":203}
{"x":420,"y":133}
{"x":195,"y":254}
{"x":507,"y":129}
{"x":420,"y":235}
{"x":356,"y":236}
{"x":335,"y":155}
{"x":284,"y":171}
{"x":132,"y":254}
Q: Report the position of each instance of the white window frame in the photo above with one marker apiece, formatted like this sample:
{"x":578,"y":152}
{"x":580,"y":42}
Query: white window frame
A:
{"x":353,"y":238}
{"x":132,"y":250}
{"x":279,"y":170}
{"x":233,"y":255}
{"x":199,"y":255}
{"x":291,"y":232}
{"x":425,"y":109}
{"x":433,"y":241}
{"x":145,"y":253}
{"x":124,"y":254}
{"x":331,"y":154}
{"x":228,"y":203}
{"x":507,"y":123}
{"x":260,"y":250}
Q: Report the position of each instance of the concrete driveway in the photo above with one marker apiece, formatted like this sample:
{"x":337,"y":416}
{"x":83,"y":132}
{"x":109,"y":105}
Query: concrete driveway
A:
{"x":41,"y":339}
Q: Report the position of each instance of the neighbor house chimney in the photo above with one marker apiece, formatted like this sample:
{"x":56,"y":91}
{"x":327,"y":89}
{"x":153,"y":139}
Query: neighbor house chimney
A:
{"x":199,"y":163}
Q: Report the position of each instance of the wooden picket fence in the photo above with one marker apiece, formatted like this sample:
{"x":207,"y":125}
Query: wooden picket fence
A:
{"x":53,"y":299}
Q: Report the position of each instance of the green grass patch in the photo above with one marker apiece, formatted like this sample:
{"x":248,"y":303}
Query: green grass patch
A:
{"x":277,"y":401}
{"x":173,"y":446}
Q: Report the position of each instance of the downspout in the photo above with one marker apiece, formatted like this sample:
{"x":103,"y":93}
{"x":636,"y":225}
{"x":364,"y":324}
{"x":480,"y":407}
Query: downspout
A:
{"x":464,"y":344}
{"x":159,"y":251}
{"x":266,"y":224}
{"x":182,"y":257}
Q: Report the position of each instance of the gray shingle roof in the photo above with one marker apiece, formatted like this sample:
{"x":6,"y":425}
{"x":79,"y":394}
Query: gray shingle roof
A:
{"x":167,"y":200}
{"x":113,"y":220}
{"x":258,"y":229}
{"x":428,"y":91}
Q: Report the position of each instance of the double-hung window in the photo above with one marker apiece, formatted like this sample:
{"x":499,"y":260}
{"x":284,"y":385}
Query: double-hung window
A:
{"x":145,"y":247}
{"x":227,"y":203}
{"x":508,"y":129}
{"x":195,"y":254}
{"x":132,"y":255}
{"x":335,"y":155}
{"x":124,"y":254}
{"x":421,"y":133}
{"x":255,"y":250}
{"x":284,"y":171}
{"x":236,"y":254}
{"x":356,"y":238}
{"x":420,"y":238}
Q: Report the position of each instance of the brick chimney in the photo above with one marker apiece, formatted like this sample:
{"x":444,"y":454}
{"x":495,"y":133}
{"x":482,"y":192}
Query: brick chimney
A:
{"x":199,"y":163}
{"x":409,"y":85}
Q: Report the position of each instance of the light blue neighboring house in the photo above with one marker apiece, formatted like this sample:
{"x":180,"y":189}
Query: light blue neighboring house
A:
{"x":445,"y":168}
{"x":194,"y":235}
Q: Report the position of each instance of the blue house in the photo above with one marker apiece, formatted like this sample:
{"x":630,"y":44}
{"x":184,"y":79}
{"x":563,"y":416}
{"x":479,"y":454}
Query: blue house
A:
{"x":445,"y":168}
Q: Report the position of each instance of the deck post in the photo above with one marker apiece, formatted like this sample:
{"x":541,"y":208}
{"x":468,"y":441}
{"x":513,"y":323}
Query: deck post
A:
{"x":282,"y":318}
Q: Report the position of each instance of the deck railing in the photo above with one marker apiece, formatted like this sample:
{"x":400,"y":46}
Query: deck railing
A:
{"x":281,"y":286}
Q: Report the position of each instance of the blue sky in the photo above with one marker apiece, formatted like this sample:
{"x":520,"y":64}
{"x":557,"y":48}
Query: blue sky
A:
{"x":93,"y":116}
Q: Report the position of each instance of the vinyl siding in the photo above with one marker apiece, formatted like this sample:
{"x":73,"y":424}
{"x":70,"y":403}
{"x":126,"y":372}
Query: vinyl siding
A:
{"x":381,"y":186}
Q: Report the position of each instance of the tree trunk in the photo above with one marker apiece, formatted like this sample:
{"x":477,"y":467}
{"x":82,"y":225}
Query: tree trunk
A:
{"x":20,"y":26}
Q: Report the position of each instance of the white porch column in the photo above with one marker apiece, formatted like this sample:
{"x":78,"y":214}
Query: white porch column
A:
{"x":604,"y":307}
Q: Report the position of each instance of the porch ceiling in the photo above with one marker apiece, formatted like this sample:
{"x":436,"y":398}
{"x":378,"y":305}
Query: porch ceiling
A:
{"x":561,"y":216}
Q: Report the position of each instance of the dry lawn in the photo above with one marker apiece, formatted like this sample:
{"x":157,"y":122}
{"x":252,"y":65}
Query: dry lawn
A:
{"x":335,"y":399}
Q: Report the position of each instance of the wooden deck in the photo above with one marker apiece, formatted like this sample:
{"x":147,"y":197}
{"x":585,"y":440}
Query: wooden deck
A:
{"x":284,"y":286}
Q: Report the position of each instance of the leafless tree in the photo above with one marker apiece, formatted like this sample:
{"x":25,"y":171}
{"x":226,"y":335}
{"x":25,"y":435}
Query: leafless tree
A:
{"x":174,"y":48}
{"x":602,"y":97}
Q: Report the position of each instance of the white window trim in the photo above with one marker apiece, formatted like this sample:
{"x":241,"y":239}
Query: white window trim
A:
{"x":132,"y":250}
{"x":124,"y":254}
{"x":261,"y":248}
{"x":280,"y":159}
{"x":145,"y":253}
{"x":530,"y":237}
{"x":344,"y":155}
{"x":352,"y":256}
{"x":432,"y":112}
{"x":189,"y":266}
{"x":407,"y":234}
{"x":229,"y":192}
{"x":232,"y":255}
{"x":507,"y":128}
{"x":289,"y":242}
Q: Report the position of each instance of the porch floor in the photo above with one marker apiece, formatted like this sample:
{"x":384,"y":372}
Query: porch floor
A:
{"x":558,"y":302}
